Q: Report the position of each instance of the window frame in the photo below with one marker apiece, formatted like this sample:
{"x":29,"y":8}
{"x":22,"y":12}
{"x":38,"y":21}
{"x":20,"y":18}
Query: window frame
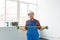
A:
{"x":18,"y":8}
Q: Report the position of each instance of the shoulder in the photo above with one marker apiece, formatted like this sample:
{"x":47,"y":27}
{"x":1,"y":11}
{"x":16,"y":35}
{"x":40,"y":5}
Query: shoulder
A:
{"x":36,"y":20}
{"x":27,"y":20}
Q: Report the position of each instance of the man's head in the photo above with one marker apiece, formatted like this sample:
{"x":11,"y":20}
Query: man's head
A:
{"x":31,"y":15}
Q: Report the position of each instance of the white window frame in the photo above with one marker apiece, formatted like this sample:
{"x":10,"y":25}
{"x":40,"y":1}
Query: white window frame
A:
{"x":18,"y":8}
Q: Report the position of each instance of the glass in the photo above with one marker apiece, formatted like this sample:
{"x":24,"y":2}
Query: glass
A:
{"x":29,"y":1}
{"x":2,"y":7}
{"x":23,"y":14}
{"x":2,"y":11}
{"x":11,"y":11}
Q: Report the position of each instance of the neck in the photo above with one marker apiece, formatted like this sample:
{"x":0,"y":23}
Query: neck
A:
{"x":32,"y":19}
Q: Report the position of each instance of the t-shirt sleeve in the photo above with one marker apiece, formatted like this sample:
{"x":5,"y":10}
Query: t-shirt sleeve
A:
{"x":38,"y":24}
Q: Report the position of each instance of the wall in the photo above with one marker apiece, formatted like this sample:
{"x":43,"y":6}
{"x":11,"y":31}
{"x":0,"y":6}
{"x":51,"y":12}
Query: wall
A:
{"x":11,"y":33}
{"x":49,"y":14}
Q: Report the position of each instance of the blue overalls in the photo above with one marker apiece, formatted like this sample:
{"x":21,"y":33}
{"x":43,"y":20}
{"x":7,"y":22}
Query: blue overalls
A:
{"x":32,"y":33}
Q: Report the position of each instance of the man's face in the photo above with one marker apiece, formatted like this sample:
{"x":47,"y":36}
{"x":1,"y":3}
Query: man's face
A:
{"x":31,"y":15}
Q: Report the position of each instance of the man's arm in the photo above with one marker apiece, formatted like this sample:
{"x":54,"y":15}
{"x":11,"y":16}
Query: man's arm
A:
{"x":26,"y":25}
{"x":38,"y":24}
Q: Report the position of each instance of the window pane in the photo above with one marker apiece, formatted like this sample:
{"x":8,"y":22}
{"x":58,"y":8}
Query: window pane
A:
{"x":29,"y":1}
{"x":2,"y":11}
{"x":23,"y":9}
{"x":23,"y":14}
{"x":11,"y":11}
{"x":2,"y":7}
{"x":32,"y":1}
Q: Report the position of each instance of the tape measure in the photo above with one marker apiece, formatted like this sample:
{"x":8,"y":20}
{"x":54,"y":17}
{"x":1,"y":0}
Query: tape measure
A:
{"x":20,"y":27}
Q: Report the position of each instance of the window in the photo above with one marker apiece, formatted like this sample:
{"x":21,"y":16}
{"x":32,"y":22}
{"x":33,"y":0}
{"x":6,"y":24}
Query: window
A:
{"x":25,"y":6}
{"x":23,"y":9}
{"x":2,"y":11}
{"x":23,"y":13}
{"x":11,"y":11}
{"x":29,"y":1}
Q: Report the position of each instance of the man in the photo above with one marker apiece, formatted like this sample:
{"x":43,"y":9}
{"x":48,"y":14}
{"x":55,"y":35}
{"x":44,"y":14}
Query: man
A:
{"x":32,"y":27}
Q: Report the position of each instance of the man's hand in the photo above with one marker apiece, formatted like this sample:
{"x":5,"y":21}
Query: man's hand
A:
{"x":42,"y":28}
{"x":23,"y":28}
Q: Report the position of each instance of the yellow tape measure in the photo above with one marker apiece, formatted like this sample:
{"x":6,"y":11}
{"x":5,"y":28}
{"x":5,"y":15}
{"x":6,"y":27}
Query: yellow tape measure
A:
{"x":44,"y":27}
